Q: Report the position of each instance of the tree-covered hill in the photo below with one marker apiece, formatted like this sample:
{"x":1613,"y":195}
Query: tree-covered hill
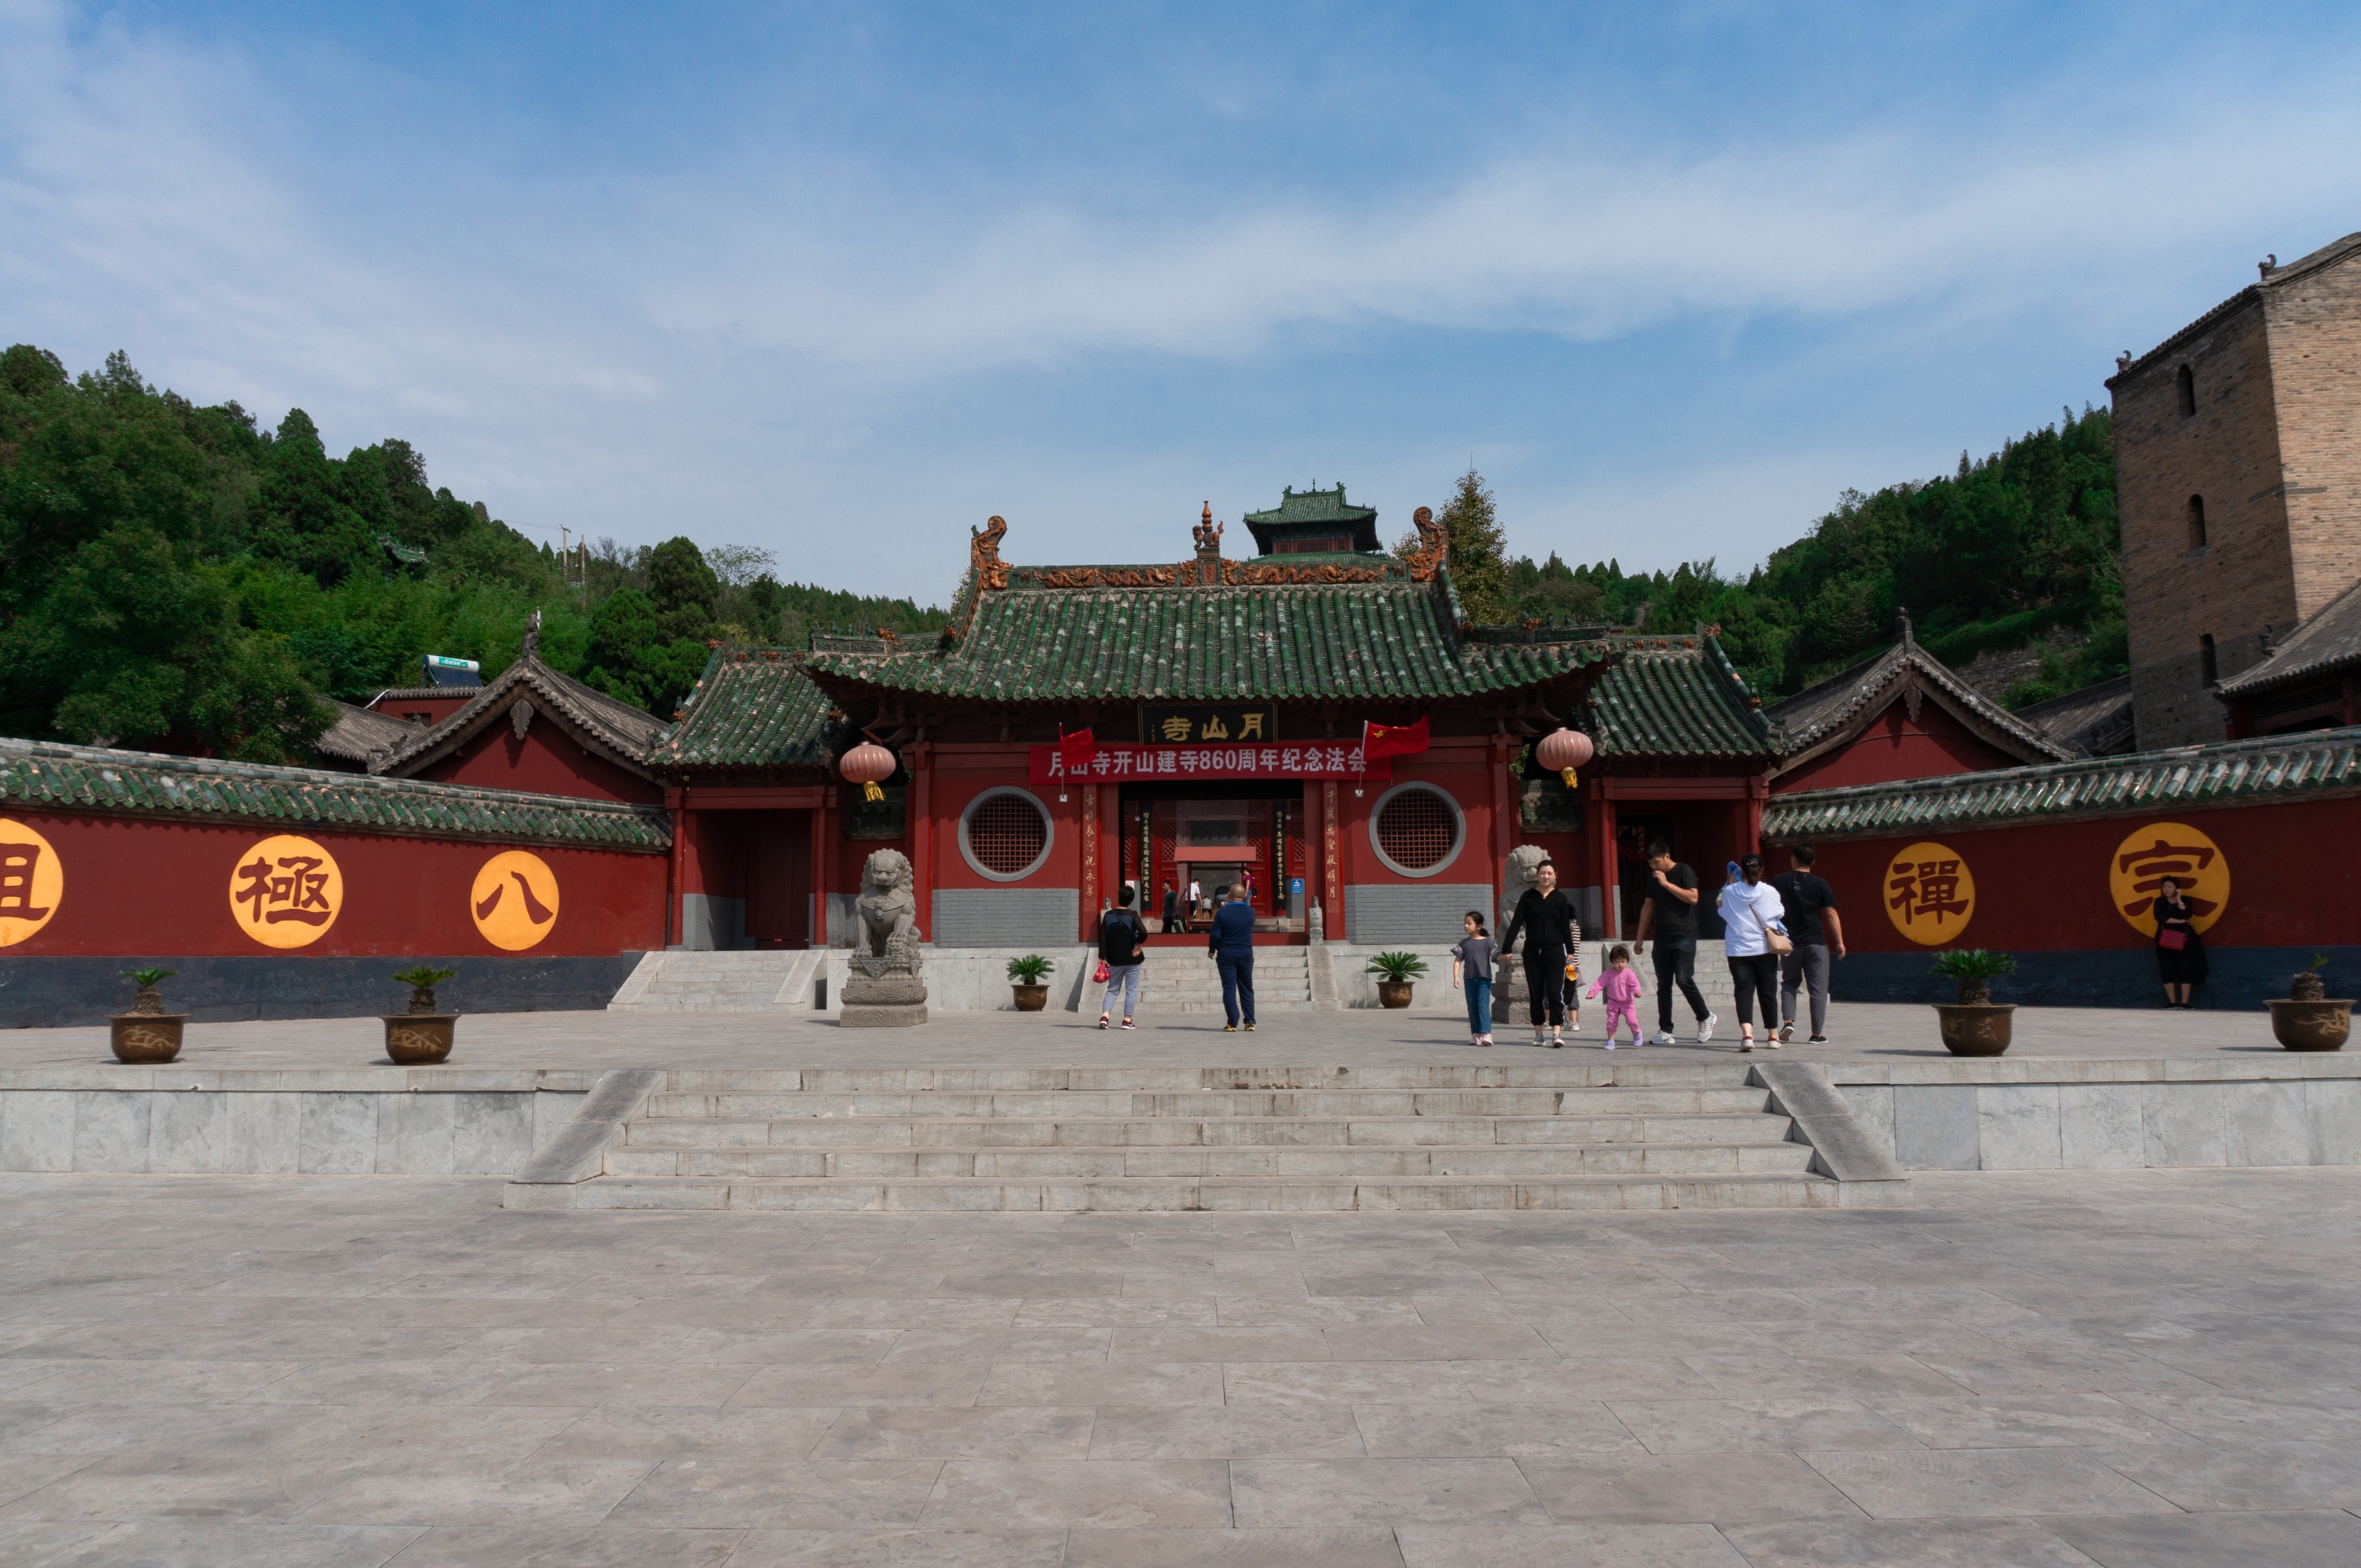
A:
{"x":174,"y":577}
{"x":2018,"y":548}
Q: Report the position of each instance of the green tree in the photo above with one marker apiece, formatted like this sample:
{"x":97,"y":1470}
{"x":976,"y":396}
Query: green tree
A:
{"x":1478,"y":552}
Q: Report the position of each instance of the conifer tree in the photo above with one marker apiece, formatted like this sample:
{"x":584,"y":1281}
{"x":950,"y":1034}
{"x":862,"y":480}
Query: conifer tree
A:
{"x":1478,"y":560}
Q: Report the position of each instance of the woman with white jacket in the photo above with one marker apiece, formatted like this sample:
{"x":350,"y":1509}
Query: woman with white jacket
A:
{"x":1750,"y":910}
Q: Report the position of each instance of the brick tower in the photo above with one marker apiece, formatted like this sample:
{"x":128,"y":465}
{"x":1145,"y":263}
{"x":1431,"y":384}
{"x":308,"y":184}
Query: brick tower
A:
{"x":2238,"y":475}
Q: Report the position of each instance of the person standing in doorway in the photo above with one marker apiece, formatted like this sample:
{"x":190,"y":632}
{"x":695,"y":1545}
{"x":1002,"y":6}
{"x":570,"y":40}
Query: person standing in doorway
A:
{"x":1172,"y":909}
{"x":1819,"y":934}
{"x":1551,"y":933}
{"x":1669,"y":910}
{"x":1195,"y":895}
{"x":1230,"y":947}
{"x":1473,"y":955}
{"x":1751,"y":912}
{"x":2179,"y":950}
{"x":1122,"y":942}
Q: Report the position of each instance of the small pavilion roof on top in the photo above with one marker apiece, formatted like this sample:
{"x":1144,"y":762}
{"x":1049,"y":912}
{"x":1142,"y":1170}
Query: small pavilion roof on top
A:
{"x":1361,"y":628}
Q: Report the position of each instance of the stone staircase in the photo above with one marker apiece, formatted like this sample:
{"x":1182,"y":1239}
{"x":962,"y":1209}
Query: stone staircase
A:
{"x":1184,"y":980}
{"x":1629,"y":1134}
{"x":730,"y":982}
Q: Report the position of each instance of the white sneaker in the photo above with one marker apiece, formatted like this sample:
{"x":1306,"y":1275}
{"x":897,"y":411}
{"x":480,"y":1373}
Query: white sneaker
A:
{"x":1611,"y":1045}
{"x":1705,"y":1027}
{"x":1663,"y":1037}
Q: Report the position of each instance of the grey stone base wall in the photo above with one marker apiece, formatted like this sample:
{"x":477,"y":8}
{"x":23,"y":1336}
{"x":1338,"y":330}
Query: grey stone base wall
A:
{"x":2239,"y":978}
{"x":1040,"y":917}
{"x":1410,"y":915}
{"x":710,"y":923}
{"x":370,"y":1121}
{"x":41,"y":993}
{"x":2110,"y":1115}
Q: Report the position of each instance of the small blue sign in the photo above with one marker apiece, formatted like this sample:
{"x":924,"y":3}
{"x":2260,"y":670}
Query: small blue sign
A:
{"x":1295,"y":887}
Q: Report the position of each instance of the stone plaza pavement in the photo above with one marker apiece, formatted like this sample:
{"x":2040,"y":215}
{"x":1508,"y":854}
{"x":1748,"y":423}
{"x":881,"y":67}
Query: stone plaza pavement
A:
{"x":2126,"y":1368}
{"x":1860,"y":1032}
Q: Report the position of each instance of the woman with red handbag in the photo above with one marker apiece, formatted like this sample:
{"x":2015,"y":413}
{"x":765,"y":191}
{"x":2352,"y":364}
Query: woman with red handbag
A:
{"x":2179,"y":951}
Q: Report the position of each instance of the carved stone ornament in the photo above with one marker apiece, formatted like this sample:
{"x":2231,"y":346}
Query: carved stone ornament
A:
{"x":983,"y":554}
{"x":884,"y":988}
{"x":520,"y":717}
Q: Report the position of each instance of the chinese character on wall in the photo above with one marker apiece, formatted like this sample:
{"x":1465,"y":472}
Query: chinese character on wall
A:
{"x":286,"y":892}
{"x":1929,"y":894}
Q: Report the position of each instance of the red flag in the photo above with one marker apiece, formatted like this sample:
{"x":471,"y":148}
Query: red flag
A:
{"x":1076,"y":751}
{"x":1392,"y":739}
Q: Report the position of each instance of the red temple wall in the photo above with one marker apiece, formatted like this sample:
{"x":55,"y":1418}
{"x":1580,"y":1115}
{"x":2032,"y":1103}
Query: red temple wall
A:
{"x":1894,"y":747}
{"x":2045,"y":886}
{"x":548,"y":761}
{"x":139,"y":885}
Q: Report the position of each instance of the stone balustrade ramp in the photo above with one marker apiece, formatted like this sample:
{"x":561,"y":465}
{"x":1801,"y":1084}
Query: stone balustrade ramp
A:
{"x":1565,"y":1134}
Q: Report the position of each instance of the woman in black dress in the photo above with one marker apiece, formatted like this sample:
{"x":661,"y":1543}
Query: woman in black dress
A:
{"x":2179,"y":951}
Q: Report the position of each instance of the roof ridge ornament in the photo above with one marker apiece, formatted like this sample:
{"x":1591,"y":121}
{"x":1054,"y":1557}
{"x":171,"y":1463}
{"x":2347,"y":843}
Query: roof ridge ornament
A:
{"x":1207,"y":535}
{"x":983,"y":554}
{"x":532,"y":649}
{"x":1434,"y":546}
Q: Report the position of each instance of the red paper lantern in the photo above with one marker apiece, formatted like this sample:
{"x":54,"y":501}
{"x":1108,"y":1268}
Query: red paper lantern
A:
{"x":1562,"y":750}
{"x":868,"y":765}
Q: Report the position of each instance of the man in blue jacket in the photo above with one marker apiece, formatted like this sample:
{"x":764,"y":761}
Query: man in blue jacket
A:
{"x":1231,"y":946}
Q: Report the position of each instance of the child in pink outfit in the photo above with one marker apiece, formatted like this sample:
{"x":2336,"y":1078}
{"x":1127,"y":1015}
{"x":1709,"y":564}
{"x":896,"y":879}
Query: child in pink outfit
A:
{"x":1620,"y":983}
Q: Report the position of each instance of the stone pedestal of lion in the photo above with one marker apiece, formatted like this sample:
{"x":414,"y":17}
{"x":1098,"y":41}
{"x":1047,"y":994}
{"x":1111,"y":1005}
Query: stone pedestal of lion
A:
{"x":885,"y":989}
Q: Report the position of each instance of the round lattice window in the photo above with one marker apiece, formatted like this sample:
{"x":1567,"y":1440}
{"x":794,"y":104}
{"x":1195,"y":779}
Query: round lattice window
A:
{"x":1005,"y":835}
{"x":1416,"y":829}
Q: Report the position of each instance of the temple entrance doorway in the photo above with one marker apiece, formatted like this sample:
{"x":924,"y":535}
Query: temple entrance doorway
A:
{"x":1226,"y":833}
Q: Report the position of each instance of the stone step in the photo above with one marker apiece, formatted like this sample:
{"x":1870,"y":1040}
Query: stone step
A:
{"x":1152,"y":1194}
{"x":1208,"y":1104}
{"x":1012,"y":1131}
{"x":1507,"y":1069}
{"x":1285,"y":1161}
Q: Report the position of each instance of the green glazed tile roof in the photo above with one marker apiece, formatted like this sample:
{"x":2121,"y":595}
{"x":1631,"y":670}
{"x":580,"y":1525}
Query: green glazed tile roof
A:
{"x":1676,"y":697}
{"x":2278,"y":767}
{"x":1378,"y":639}
{"x":37,"y":775}
{"x":752,"y":708}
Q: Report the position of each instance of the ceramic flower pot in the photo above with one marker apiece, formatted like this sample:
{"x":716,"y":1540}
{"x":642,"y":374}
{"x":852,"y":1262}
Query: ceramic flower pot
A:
{"x":2311,"y":1026}
{"x":418,"y":1039}
{"x":1394,"y":992}
{"x":1031,"y":998}
{"x":144,"y":1039}
{"x":1975,"y":1028}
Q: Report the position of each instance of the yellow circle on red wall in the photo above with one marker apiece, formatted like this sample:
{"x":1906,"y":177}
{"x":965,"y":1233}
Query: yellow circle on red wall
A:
{"x":32,"y":882}
{"x":514,"y":900}
{"x":1928,"y":893}
{"x":286,"y":892}
{"x":2160,"y":850}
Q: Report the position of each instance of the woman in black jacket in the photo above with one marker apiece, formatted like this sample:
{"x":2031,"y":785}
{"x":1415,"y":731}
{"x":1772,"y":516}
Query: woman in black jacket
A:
{"x":1547,"y":915}
{"x":2179,"y":950}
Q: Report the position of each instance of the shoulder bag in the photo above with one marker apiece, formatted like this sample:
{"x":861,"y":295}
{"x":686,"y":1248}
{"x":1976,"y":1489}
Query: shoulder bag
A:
{"x":1774,"y":941}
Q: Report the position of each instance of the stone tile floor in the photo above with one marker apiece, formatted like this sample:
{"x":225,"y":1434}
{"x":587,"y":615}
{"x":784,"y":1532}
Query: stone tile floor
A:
{"x":1861,"y":1032}
{"x":2125,"y":1368}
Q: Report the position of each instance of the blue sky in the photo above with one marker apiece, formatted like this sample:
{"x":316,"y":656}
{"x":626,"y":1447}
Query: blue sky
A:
{"x":841,"y":281}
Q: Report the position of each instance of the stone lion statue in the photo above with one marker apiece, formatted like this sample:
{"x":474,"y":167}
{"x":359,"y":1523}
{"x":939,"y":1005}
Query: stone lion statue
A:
{"x":889,"y":914}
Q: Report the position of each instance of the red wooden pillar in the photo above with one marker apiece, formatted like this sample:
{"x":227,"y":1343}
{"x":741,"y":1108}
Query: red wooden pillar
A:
{"x":919,"y":802}
{"x":1088,"y":796}
{"x":1504,"y":750}
{"x":822,"y":875}
{"x":1332,"y":873}
{"x":1758,"y":792}
{"x":677,"y":803}
{"x":1611,"y":870}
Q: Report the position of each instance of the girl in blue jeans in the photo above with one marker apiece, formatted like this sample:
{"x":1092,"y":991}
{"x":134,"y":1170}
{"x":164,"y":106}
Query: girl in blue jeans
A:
{"x":1473,"y":955}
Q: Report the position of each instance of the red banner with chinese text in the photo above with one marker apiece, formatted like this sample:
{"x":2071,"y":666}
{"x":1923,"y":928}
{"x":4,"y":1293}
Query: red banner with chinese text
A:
{"x":1117,"y":765}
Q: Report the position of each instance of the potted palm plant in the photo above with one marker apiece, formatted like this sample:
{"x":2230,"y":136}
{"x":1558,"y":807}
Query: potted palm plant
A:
{"x":147,"y":1035}
{"x":421,"y":1037}
{"x":2307,"y":1018}
{"x":1396,"y":974}
{"x":1973,"y":1025}
{"x":1026,"y":983}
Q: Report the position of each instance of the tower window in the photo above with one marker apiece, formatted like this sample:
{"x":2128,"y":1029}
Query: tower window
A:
{"x":2197,"y":522}
{"x":2184,"y":381}
{"x":2208,"y":670}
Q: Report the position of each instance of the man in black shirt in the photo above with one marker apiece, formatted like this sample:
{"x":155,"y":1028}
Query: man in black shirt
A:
{"x":1813,"y":923}
{"x":1172,"y":909}
{"x":1670,"y":912}
{"x":1547,"y":915}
